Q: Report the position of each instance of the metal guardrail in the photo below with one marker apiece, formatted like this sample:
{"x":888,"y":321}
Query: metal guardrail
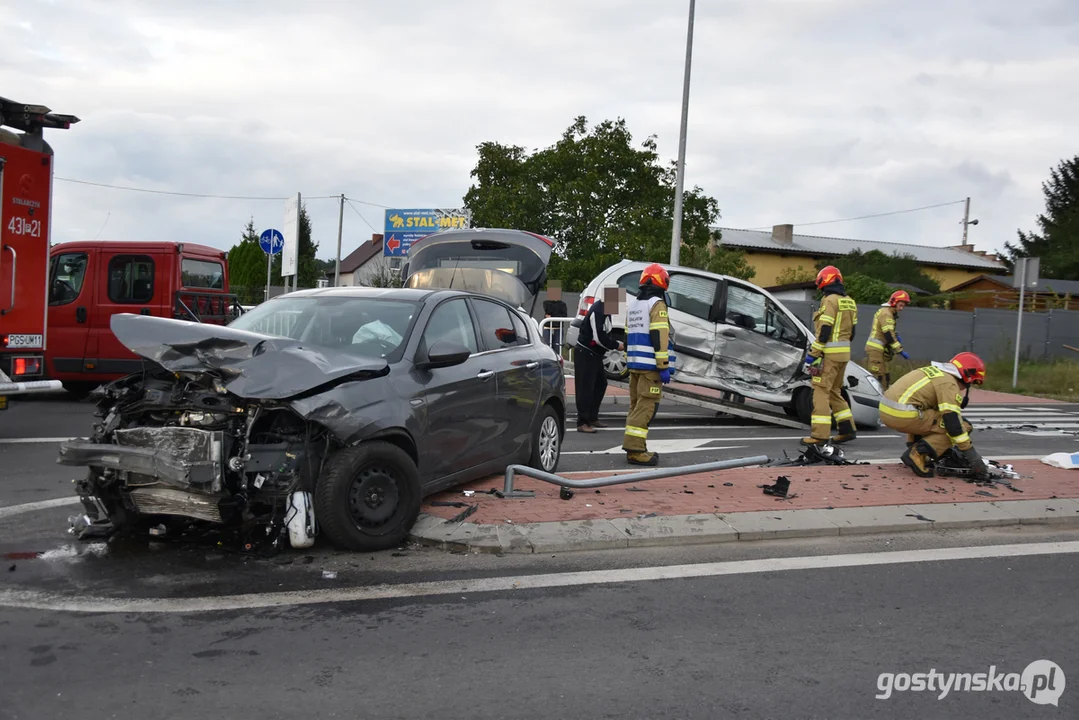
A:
{"x":514,"y":470}
{"x":555,"y":338}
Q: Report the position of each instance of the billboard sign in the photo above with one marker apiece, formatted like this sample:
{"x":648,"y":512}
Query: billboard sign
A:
{"x":405,"y":226}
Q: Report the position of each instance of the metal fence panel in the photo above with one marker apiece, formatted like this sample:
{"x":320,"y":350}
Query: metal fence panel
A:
{"x":994,"y":334}
{"x":1063,"y":330}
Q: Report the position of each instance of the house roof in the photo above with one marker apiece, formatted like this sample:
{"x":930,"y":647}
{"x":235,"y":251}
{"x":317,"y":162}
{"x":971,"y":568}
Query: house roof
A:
{"x":361,"y":255}
{"x":1045,"y":285}
{"x":810,"y":285}
{"x":816,"y":245}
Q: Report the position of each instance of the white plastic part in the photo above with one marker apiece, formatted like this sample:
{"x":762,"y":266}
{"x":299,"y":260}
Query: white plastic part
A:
{"x":1068,"y":461}
{"x":301,"y":520}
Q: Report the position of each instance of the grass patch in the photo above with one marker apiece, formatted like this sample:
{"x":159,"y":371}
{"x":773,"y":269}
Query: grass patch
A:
{"x":1055,"y":379}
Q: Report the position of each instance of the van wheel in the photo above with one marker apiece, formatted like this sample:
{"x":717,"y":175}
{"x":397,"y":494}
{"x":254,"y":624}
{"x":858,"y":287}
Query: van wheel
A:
{"x":803,"y":405}
{"x":79,"y":390}
{"x":614,"y":362}
{"x":368,"y":497}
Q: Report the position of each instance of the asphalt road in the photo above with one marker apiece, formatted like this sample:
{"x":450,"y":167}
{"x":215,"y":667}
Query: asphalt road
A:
{"x":809,"y":642}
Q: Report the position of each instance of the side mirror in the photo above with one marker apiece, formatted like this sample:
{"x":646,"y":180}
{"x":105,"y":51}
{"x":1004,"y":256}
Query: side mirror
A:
{"x":445,"y":354}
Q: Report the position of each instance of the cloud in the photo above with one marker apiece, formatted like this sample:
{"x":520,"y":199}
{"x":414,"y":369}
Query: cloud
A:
{"x":801,"y":110}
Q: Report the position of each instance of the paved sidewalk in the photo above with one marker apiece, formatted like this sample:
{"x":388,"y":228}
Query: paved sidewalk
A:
{"x":730,"y":505}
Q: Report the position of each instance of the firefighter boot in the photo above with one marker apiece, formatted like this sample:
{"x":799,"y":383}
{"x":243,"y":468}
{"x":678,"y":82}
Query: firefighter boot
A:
{"x":647,"y":459}
{"x":846,"y":432}
{"x":920,"y":458}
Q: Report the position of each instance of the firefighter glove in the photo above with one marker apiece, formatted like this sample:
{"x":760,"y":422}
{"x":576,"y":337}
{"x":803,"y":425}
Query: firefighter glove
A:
{"x":813,"y":366}
{"x":977,"y":464}
{"x":665,"y":376}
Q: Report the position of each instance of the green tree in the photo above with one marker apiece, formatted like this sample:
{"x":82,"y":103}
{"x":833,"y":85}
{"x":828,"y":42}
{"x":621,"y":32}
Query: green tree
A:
{"x":895,"y":268}
{"x":247,"y":265}
{"x":867,"y":290}
{"x":1057,"y":243}
{"x":600,"y":198}
{"x":797,"y":274}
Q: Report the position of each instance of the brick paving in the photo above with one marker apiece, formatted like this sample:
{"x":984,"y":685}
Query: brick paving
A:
{"x":815,"y":487}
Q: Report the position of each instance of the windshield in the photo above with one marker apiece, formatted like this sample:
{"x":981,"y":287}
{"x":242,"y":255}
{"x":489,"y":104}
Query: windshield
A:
{"x":367,"y":327}
{"x":494,"y":283}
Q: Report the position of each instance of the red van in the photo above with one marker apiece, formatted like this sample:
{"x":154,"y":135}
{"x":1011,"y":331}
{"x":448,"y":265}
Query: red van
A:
{"x":89,"y":282}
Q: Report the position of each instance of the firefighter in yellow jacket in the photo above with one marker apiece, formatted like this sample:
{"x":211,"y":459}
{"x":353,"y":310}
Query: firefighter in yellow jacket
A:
{"x":647,"y":357}
{"x":834,"y":325}
{"x":926,"y":404}
{"x":883,"y":342}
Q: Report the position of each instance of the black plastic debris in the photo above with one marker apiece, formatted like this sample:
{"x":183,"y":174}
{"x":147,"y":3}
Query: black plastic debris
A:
{"x":781,"y":487}
{"x":461,"y":516}
{"x":636,"y":489}
{"x":983,"y":492}
{"x":728,"y":484}
{"x":565,"y":493}
{"x":455,"y":503}
{"x":920,"y":517}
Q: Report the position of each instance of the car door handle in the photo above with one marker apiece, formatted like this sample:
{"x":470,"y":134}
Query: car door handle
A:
{"x":485,"y":374}
{"x":80,"y":314}
{"x":532,"y":365}
{"x":729,"y":333}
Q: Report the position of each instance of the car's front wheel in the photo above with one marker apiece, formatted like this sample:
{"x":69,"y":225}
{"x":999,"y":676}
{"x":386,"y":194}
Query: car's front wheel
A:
{"x":368,"y":496}
{"x":546,"y":441}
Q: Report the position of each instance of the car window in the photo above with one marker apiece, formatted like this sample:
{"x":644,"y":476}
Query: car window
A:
{"x":521,"y":329}
{"x":777,"y":325}
{"x":692,"y":294}
{"x":202,"y":274}
{"x":630,"y":282}
{"x":68,"y":272}
{"x":450,"y":322}
{"x":131,"y":279}
{"x":745,"y":308}
{"x":496,"y":326}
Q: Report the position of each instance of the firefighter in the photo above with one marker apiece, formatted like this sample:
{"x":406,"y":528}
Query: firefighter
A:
{"x":926,"y":404}
{"x":834,"y":326}
{"x":647,"y":356}
{"x":883,"y":342}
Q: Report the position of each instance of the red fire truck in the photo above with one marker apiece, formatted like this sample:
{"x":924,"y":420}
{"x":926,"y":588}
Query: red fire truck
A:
{"x":26,"y":171}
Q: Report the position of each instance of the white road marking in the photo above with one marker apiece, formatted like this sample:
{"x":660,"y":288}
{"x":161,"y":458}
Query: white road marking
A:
{"x":12,"y":510}
{"x":663,"y":446}
{"x":49,"y":601}
{"x":29,"y":440}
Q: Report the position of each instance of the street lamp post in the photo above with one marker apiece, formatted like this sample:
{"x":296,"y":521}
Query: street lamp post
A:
{"x":676,"y":232}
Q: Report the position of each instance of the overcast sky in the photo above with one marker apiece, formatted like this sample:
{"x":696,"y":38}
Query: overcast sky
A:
{"x":800,"y":110}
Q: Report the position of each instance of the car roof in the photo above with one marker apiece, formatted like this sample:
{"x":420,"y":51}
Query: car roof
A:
{"x":411,"y":294}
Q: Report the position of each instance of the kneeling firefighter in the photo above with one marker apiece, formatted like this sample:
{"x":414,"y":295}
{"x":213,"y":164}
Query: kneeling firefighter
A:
{"x":883,"y":341}
{"x":648,"y":360}
{"x":926,"y":404}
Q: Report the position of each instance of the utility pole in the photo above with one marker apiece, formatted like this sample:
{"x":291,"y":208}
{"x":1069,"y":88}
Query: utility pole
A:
{"x":676,"y":232}
{"x":967,"y":221}
{"x":340,"y":227}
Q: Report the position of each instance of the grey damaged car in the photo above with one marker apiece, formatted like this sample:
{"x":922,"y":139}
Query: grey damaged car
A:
{"x":330,"y":411}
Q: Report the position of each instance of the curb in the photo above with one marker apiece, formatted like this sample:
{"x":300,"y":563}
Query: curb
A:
{"x":673,"y":530}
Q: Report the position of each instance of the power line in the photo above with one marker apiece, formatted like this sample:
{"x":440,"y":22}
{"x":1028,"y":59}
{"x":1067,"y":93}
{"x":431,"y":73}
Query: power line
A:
{"x":866,"y":217}
{"x":195,"y":195}
{"x":349,"y":201}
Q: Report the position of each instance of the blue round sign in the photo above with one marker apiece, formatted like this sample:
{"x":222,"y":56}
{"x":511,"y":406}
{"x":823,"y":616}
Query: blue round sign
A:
{"x":271,"y":241}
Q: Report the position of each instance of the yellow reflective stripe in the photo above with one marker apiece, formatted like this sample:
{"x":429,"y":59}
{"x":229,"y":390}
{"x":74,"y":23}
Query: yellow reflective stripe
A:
{"x":821,"y":419}
{"x":843,"y":415}
{"x":826,"y":320}
{"x":659,"y":326}
{"x":905,"y":397}
{"x":816,"y":346}
{"x":886,"y":328}
{"x":896,"y":346}
{"x":662,"y":355}
{"x":960,"y":439}
{"x":948,"y":407}
{"x":897,"y":413}
{"x":836,"y":348}
{"x":871,"y":343}
{"x":636,"y":431}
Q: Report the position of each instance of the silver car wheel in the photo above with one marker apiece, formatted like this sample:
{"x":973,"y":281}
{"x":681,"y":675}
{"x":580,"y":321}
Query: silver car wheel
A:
{"x":614,"y":362}
{"x":548,"y":444}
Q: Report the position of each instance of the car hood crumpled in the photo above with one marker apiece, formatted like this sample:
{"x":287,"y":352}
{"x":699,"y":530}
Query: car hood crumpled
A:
{"x":251,"y":365}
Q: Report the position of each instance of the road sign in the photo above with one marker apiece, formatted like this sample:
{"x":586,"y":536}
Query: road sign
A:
{"x":403,"y":227}
{"x":291,"y":248}
{"x":271,"y":241}
{"x":1027,"y":270}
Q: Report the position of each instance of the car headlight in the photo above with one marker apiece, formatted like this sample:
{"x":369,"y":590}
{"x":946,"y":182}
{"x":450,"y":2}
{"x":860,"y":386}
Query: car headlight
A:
{"x":875,"y":384}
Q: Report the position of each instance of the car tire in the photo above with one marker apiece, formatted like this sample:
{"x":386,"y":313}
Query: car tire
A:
{"x":614,"y":362}
{"x":547,"y":441}
{"x":803,"y":405}
{"x":368,"y":496}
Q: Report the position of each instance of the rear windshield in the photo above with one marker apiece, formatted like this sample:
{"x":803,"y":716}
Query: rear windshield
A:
{"x":494,"y":283}
{"x":367,"y":327}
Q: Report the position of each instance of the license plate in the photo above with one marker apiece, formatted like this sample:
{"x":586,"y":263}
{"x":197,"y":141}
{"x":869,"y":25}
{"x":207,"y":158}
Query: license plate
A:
{"x":24,"y":341}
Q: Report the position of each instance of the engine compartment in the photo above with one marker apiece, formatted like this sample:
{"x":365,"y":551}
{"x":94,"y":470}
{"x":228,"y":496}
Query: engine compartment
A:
{"x":179,"y":448}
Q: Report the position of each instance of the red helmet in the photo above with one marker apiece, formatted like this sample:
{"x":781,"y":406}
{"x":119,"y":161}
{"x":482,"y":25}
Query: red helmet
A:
{"x":899,"y":296}
{"x":971,"y":368}
{"x":828,"y":275}
{"x":656,"y":275}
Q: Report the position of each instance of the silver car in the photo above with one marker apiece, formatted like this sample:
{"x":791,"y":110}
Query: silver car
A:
{"x":733,"y":336}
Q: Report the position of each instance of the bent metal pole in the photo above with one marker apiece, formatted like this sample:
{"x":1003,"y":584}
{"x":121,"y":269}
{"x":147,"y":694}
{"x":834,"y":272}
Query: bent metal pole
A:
{"x":513,"y":470}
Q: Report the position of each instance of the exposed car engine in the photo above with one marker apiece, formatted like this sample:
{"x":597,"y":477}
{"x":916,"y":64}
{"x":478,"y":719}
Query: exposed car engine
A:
{"x":181,"y":446}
